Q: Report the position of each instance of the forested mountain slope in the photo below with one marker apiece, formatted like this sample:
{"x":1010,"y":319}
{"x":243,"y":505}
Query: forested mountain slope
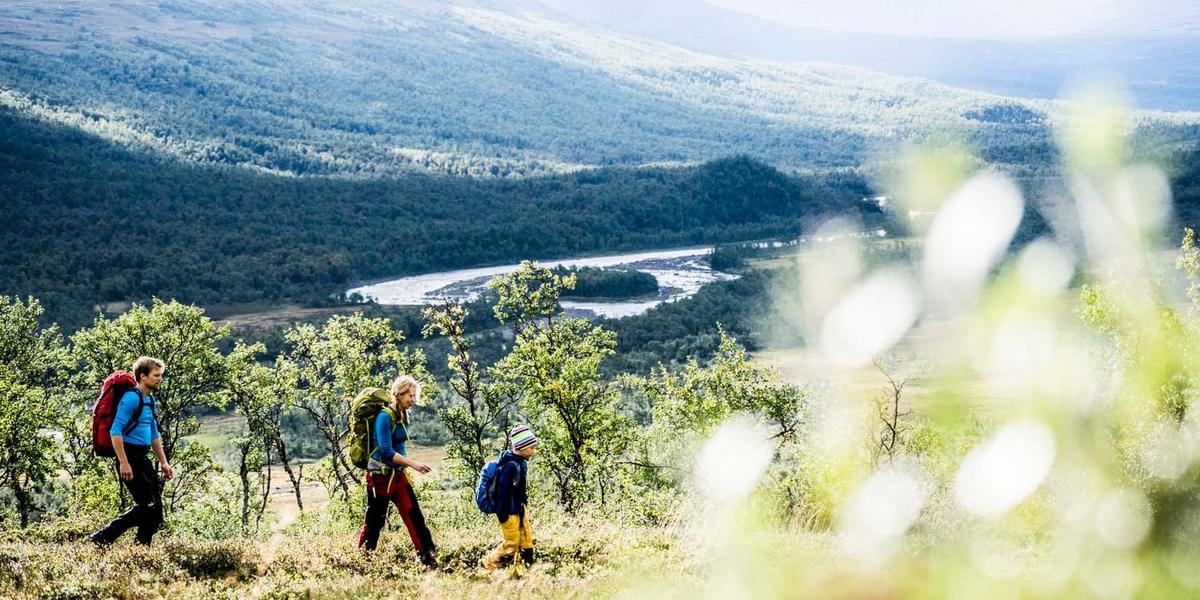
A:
{"x":379,"y":88}
{"x":217,"y":151}
{"x":88,"y":221}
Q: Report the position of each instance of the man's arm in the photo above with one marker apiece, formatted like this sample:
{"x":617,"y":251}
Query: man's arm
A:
{"x":167,"y":471}
{"x":124,"y":413}
{"x":123,"y":467}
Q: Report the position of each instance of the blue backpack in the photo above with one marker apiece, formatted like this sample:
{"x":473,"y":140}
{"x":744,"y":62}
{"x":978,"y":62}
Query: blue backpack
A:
{"x":485,"y":492}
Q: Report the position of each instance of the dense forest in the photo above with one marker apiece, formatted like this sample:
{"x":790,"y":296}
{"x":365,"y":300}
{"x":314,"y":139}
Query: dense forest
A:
{"x":1184,"y":171}
{"x":591,"y":282}
{"x":116,"y":225}
{"x":215,"y":168}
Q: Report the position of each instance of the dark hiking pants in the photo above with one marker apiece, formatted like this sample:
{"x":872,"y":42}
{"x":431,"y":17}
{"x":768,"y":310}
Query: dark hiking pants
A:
{"x":146,"y":514}
{"x":393,"y":488}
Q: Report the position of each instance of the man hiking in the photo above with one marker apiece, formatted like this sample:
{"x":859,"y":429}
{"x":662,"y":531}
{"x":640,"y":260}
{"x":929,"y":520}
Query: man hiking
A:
{"x":134,"y":433}
{"x":511,"y":496}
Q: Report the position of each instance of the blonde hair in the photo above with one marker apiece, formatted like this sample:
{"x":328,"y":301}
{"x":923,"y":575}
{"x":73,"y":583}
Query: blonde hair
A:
{"x":402,"y":384}
{"x":144,"y":365}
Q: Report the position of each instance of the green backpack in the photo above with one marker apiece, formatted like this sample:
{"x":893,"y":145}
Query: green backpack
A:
{"x":363,"y":409}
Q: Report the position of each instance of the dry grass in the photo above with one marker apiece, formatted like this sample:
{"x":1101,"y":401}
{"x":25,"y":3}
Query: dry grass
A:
{"x":577,"y":558}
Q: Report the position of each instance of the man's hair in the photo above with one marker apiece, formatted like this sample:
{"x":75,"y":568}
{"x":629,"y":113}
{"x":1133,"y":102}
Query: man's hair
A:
{"x":144,"y":365}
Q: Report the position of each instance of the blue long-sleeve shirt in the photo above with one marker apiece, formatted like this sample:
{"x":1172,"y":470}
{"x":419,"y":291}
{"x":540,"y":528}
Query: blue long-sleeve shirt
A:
{"x":146,"y":429}
{"x":387,"y":442}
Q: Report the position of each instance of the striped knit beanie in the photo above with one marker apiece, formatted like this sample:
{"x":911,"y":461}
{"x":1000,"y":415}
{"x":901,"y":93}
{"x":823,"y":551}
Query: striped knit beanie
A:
{"x":522,"y":437}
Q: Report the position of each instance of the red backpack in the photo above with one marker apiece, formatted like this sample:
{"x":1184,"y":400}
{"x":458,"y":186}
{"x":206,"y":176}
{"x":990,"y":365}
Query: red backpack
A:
{"x":105,"y":411}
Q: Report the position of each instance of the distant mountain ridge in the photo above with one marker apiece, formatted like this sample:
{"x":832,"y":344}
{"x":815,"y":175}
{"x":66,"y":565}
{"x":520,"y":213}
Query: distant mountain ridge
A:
{"x":378,"y":89}
{"x":1161,"y":71}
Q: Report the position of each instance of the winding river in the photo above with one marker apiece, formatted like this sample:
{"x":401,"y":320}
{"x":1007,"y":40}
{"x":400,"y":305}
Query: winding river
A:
{"x":680,"y":273}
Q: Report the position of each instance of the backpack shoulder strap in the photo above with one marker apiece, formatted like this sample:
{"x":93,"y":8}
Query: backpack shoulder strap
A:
{"x":137,"y":412}
{"x":371,"y":436}
{"x":391,"y":415}
{"x":495,"y":481}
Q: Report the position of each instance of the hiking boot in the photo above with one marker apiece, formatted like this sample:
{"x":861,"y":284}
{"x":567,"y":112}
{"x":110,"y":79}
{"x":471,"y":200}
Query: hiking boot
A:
{"x":503,"y":563}
{"x":429,"y":559}
{"x":527,"y":557}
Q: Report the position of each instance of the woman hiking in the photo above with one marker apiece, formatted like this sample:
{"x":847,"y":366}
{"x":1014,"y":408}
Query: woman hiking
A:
{"x":387,"y":479}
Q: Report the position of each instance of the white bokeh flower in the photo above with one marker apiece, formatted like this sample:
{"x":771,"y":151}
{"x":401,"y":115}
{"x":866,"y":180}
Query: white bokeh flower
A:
{"x":1004,"y":470}
{"x":968,"y":235}
{"x":882,"y":510}
{"x":734,"y":458}
{"x":870,"y":319}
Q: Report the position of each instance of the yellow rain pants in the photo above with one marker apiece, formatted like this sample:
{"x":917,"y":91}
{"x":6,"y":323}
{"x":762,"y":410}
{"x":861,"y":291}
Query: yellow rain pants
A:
{"x":517,"y":536}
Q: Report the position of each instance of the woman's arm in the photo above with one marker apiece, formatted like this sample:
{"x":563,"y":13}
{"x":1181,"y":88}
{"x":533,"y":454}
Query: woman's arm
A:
{"x":405,"y":461}
{"x":386,"y":452}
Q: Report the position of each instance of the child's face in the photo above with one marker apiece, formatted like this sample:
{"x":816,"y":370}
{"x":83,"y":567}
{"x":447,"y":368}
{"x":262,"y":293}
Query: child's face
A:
{"x":527,"y":452}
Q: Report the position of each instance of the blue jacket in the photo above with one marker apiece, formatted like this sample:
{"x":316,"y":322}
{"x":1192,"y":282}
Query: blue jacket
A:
{"x":146,"y":430}
{"x":387,"y":442}
{"x":511,"y":485}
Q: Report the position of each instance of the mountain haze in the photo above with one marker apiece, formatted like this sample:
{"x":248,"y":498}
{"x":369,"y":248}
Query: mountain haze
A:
{"x":1159,"y":65}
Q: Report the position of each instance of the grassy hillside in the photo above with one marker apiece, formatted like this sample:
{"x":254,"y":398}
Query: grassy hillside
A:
{"x":315,"y":557}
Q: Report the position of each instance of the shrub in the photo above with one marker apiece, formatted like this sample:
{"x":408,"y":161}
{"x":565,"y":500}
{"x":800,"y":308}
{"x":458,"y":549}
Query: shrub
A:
{"x":214,"y":559}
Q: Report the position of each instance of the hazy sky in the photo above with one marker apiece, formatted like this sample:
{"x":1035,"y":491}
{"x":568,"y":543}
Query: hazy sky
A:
{"x":997,"y":19}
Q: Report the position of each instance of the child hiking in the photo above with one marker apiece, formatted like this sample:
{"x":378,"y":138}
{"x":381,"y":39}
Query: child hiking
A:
{"x":509,"y":500}
{"x":385,"y":461}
